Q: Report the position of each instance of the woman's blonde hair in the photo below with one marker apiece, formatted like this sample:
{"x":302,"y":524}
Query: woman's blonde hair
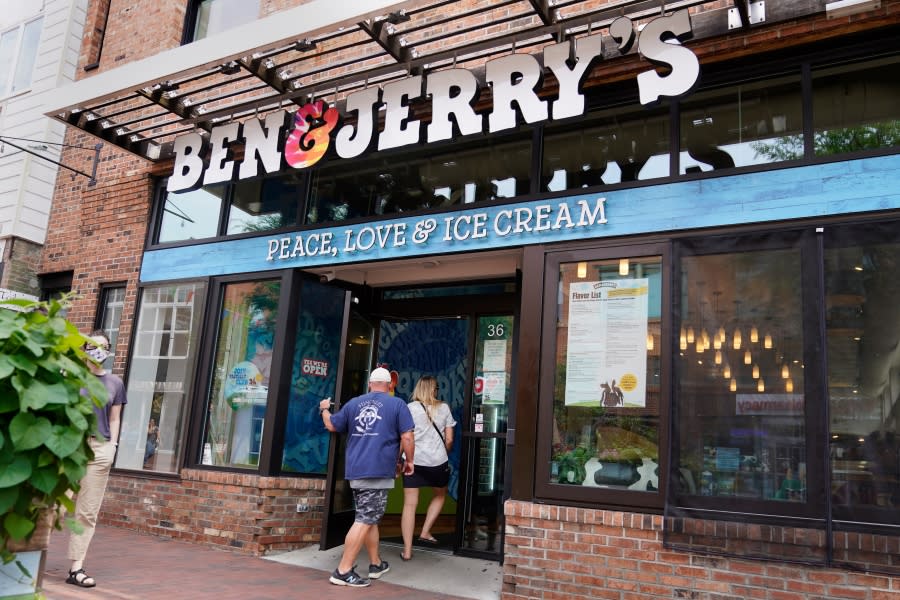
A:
{"x":426,"y":392}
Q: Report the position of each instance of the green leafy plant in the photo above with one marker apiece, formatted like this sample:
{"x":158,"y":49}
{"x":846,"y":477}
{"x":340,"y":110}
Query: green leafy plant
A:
{"x":47,"y":395}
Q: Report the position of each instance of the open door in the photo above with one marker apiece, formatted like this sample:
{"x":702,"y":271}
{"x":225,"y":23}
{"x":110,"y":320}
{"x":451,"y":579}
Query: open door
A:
{"x":356,"y":361}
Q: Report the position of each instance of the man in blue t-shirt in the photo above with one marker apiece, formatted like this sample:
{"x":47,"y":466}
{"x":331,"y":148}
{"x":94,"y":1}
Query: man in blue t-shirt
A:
{"x":378,"y":425}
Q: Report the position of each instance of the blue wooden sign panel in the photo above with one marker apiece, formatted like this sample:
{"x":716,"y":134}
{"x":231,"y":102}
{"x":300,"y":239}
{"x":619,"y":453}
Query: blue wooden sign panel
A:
{"x":810,"y":191}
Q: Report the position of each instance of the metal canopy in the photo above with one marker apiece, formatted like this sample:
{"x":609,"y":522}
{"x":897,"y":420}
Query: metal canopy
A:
{"x":353,"y":50}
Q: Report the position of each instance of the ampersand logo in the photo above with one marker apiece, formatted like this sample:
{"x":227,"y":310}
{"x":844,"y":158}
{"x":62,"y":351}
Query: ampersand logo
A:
{"x":311,"y":135}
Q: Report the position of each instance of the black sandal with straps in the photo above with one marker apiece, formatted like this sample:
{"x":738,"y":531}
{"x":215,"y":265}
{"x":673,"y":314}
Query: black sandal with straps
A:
{"x":81,"y":579}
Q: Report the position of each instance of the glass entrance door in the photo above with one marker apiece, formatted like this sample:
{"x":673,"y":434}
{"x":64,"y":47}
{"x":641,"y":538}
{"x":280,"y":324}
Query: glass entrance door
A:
{"x":484,"y":437}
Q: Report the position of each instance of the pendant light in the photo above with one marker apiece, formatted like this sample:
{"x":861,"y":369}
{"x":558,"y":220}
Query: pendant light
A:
{"x":582,"y":270}
{"x":755,"y":371}
{"x":785,"y":372}
{"x":747,"y":358}
{"x":733,"y":385}
{"x":760,"y":386}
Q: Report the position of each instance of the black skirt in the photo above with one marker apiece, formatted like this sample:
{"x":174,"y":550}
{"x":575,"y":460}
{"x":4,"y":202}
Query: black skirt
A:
{"x":422,"y":476}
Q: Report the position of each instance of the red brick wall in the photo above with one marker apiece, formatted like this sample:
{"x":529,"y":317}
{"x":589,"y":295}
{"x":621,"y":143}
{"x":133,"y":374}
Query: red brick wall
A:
{"x":566,"y":553}
{"x":236,"y":511}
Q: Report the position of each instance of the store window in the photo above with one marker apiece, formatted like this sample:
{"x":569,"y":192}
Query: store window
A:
{"x":265,"y":204}
{"x":112,"y":301}
{"x":160,"y":376}
{"x":239,"y":389}
{"x":605,"y":433}
{"x":855,"y":107}
{"x":192,"y":215}
{"x":317,"y":351}
{"x":744,"y":125}
{"x":18,"y":51}
{"x":209,"y":17}
{"x":739,"y":379}
{"x":489,"y":170}
{"x":614,"y":146}
{"x":863,"y":331}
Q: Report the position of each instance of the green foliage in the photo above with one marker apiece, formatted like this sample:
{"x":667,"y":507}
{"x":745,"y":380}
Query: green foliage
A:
{"x":833,"y":141}
{"x":45,"y":419}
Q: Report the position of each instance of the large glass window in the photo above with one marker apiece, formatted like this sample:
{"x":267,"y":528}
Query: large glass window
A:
{"x":739,"y":126}
{"x":215,"y":16}
{"x":741,"y":426}
{"x":606,"y":390}
{"x":317,"y":351}
{"x":240,"y":378}
{"x":18,"y":51}
{"x":489,"y":170}
{"x":613,"y":146}
{"x":160,"y":376}
{"x":863,"y":331}
{"x":192,"y":215}
{"x":112,"y":301}
{"x":265,"y":204}
{"x":855,"y":108}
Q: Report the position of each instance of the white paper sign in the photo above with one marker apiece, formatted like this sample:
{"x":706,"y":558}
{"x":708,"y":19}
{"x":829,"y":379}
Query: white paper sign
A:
{"x":607,"y":351}
{"x":494,"y":355}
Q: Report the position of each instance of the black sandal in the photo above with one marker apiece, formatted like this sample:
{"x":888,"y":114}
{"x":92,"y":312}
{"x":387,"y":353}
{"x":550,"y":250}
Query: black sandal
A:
{"x":81,"y":579}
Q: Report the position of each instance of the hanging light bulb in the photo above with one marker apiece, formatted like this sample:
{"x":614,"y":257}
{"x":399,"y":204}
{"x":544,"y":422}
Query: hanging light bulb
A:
{"x":698,"y":346}
{"x":789,"y":386}
{"x":785,"y":372}
{"x":690,"y":335}
{"x":682,"y":340}
{"x":767,"y":341}
{"x":727,"y":373}
{"x":705,"y":337}
{"x":623,"y":266}
{"x":755,"y":371}
{"x":754,"y":334}
{"x":760,"y":386}
{"x":721,"y":334}
{"x":718,"y":357}
{"x":717,"y":343}
{"x":737,"y":339}
{"x":649,"y":341}
{"x":733,"y":385}
{"x":582,"y":270}
{"x":747,"y":358}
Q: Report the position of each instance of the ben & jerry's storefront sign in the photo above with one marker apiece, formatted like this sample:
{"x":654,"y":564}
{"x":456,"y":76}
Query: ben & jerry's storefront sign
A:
{"x":514,"y":80}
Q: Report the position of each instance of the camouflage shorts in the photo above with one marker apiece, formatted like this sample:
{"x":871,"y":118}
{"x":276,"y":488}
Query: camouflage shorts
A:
{"x":370,"y":505}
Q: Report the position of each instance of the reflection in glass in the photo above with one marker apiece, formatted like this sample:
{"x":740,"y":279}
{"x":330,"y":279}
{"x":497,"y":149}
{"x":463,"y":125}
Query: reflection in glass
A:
{"x":741,"y":435}
{"x":614,"y":146}
{"x":863,"y":329}
{"x":160,"y":375}
{"x":316,"y":353}
{"x":192,"y":215}
{"x":856,"y":108}
{"x":490,"y":170}
{"x":214,"y":16}
{"x":240,"y":385}
{"x":264,"y":204}
{"x":606,"y":391}
{"x":743,"y":125}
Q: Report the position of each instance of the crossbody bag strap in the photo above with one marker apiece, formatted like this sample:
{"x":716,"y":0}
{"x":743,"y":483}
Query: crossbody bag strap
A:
{"x":432,"y":422}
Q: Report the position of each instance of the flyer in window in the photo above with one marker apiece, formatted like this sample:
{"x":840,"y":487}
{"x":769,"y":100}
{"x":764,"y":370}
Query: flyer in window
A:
{"x":606,"y":362}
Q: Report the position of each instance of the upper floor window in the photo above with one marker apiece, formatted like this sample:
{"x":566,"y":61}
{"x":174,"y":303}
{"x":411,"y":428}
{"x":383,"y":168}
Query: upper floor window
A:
{"x":18,"y":51}
{"x":209,"y":17}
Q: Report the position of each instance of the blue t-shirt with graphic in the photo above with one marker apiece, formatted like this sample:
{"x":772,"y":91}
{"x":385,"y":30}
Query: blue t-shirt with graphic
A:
{"x":373,"y":423}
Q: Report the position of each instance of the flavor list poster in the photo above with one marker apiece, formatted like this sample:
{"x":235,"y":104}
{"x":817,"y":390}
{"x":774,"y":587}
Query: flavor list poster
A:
{"x":607,"y":345}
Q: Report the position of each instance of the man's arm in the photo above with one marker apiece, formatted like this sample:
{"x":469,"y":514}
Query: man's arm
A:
{"x":115,"y":422}
{"x":408,"y":446}
{"x":325,"y":411}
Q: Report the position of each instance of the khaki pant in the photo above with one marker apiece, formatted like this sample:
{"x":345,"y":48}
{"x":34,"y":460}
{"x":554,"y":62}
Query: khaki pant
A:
{"x":90,"y":497}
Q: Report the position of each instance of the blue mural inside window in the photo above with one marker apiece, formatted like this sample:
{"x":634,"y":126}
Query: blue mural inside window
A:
{"x":314,"y":376}
{"x":434,"y":347}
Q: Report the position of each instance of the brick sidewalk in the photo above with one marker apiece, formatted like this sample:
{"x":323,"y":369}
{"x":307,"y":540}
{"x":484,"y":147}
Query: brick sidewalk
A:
{"x":132,"y":566}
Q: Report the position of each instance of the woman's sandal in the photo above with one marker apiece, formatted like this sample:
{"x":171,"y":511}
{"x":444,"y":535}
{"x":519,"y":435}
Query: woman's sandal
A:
{"x":81,"y":579}
{"x":428,"y":540}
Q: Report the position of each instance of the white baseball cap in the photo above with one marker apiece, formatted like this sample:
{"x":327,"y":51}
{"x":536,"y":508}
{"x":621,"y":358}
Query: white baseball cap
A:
{"x":380,"y":375}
